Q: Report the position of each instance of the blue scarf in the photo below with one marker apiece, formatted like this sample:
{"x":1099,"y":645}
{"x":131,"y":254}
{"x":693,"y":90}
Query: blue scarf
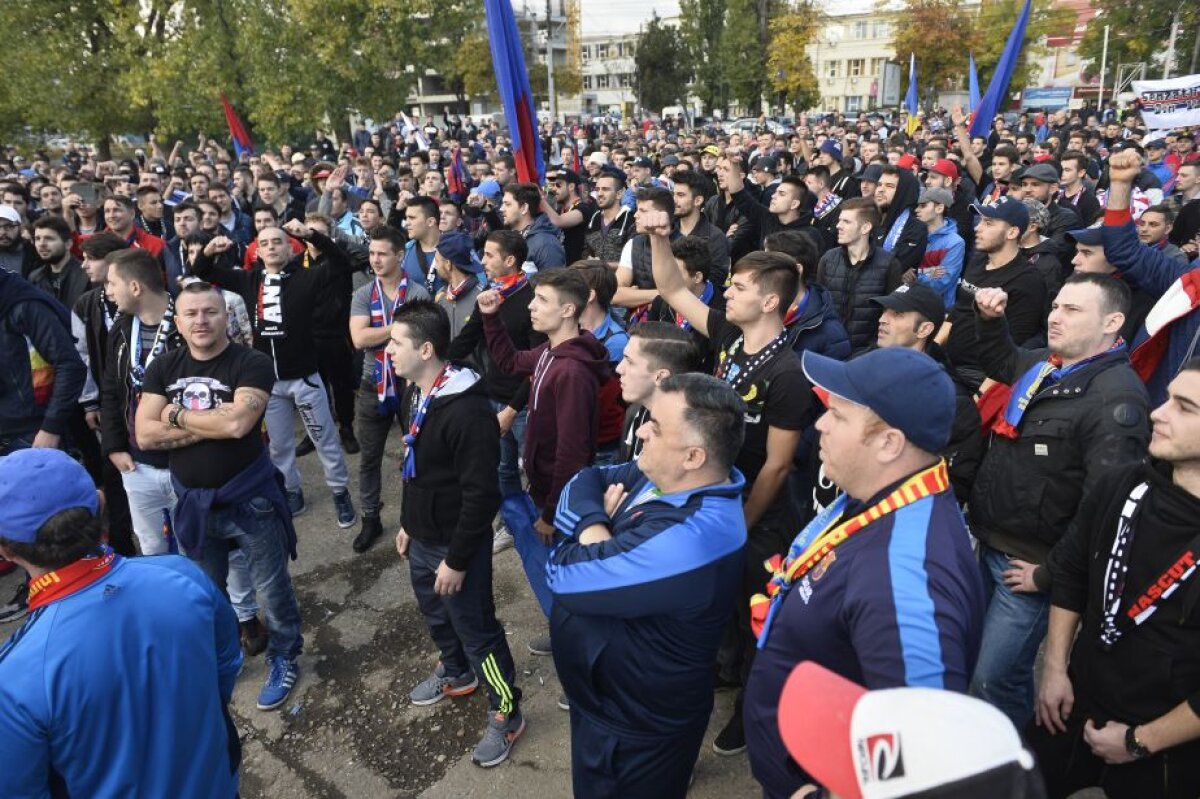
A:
{"x":1028,"y":385}
{"x":418,"y":419}
{"x":897,"y":228}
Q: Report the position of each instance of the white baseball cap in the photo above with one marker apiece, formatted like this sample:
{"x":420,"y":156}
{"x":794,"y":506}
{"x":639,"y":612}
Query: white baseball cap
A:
{"x":8,"y":213}
{"x":897,"y":742}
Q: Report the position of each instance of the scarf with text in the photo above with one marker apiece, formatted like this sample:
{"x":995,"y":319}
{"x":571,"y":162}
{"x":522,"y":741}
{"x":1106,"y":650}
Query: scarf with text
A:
{"x":381,"y":316}
{"x":420,"y":408}
{"x":509,"y":284}
{"x":71,"y":578}
{"x":162,"y":339}
{"x":269,"y":321}
{"x":705,"y":297}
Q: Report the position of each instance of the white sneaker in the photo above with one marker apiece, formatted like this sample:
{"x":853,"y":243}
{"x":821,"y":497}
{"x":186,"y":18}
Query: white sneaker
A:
{"x":501,"y":540}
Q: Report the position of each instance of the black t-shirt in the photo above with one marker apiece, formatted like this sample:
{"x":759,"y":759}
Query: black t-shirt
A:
{"x":203,"y":386}
{"x":573,"y":237}
{"x":777,"y":394}
{"x":1026,"y":311}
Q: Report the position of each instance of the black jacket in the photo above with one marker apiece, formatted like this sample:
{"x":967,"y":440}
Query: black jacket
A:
{"x":66,"y":287}
{"x":331,"y":316}
{"x":1155,"y":666}
{"x":97,"y":314}
{"x":606,"y":244}
{"x":819,"y":328}
{"x":454,"y":496}
{"x":909,"y":248}
{"x":765,"y":223}
{"x":294,"y":355}
{"x":115,"y":432}
{"x":513,"y":390}
{"x":852,"y":287}
{"x":1027,"y":490}
{"x":718,"y":249}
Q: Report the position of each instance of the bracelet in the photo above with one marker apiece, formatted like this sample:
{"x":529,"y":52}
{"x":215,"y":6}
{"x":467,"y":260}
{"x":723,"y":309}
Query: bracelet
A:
{"x":173,"y":418}
{"x":182,"y":418}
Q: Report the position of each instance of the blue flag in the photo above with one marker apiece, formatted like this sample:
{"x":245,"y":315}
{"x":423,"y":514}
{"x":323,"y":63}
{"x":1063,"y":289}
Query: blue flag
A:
{"x":972,"y":85}
{"x":516,"y":97}
{"x":911,"y":103}
{"x":997,"y":90}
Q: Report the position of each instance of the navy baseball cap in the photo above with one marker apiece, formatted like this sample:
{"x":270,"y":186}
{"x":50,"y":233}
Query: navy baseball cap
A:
{"x":831,"y":147}
{"x":1088,"y":236}
{"x":456,"y":248}
{"x":905,"y":388}
{"x":1012,"y":212}
{"x":36,"y":484}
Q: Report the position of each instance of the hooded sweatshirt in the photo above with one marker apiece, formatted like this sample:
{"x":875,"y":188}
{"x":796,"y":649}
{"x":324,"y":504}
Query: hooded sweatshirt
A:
{"x":545,"y":244}
{"x":945,"y":250}
{"x":911,"y":236}
{"x":560,"y":436}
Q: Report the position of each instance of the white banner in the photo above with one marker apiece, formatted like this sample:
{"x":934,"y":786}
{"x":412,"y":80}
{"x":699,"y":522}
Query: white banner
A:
{"x":1172,"y":103}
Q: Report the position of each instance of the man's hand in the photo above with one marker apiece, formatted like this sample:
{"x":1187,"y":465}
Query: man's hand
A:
{"x":1019,"y":578}
{"x":544,"y":531}
{"x":1123,"y":167}
{"x":991,"y":302}
{"x":44,"y":440}
{"x":218,"y":244}
{"x":92,"y":418}
{"x":336,"y":179}
{"x":122,"y":461}
{"x":909,"y":277}
{"x":656,"y":223}
{"x":448,"y":582}
{"x":488,"y":302}
{"x":1107,"y":742}
{"x":958,"y":116}
{"x":402,"y":542}
{"x":1055,"y":699}
{"x":506,"y":416}
{"x":297,"y":229}
{"x":614,"y":498}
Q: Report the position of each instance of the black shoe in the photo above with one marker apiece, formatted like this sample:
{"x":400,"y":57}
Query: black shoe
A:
{"x":731,"y":740}
{"x":17,"y":607}
{"x":253,"y":637}
{"x":305,"y":446}
{"x":371,"y":530}
{"x":349,"y":442}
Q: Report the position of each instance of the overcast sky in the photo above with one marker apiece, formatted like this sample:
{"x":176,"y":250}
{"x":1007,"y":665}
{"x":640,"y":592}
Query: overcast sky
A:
{"x":614,"y":16}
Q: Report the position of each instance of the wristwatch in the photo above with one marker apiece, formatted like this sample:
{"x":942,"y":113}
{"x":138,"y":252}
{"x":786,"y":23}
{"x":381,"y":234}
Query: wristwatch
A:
{"x":1133,"y":746}
{"x":173,"y":416}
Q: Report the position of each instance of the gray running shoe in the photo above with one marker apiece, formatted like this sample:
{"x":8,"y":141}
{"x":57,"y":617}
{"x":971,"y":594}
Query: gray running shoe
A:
{"x":438,"y":686}
{"x":498,"y":739}
{"x":540,"y":646}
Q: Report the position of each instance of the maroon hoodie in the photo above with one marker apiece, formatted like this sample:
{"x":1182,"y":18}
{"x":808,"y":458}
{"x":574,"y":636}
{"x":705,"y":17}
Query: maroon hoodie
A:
{"x":560,"y":436}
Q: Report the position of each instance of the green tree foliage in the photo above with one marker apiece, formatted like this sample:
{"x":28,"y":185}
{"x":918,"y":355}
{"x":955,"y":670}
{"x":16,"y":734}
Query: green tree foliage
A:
{"x":1139,"y":32}
{"x":993,"y":26}
{"x":939,"y":32}
{"x":788,"y":66}
{"x":662,"y":69}
{"x":744,"y":55}
{"x":701,"y":27}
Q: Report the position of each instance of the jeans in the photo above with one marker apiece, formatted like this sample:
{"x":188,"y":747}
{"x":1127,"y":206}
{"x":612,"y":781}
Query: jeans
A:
{"x":259,"y":533}
{"x":372,"y":430}
{"x":1013,"y":628}
{"x":464,"y":626}
{"x":512,"y":444}
{"x":308,"y":396}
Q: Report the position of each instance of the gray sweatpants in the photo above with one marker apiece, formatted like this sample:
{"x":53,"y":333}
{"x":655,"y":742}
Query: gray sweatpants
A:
{"x":306,"y":395}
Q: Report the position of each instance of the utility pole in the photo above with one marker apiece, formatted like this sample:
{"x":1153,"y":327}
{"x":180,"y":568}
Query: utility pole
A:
{"x":550,"y":63}
{"x":1169,"y":61}
{"x":1103,"y":67}
{"x":1195,"y":54}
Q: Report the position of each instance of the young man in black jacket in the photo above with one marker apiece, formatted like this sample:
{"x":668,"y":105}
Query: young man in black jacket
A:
{"x":450,"y":496}
{"x":1119,"y":705}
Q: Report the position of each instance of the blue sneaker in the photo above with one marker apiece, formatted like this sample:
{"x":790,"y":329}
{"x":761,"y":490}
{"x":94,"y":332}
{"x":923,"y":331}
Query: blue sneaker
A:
{"x":346,"y":517}
{"x":281,"y":676}
{"x":295,"y":500}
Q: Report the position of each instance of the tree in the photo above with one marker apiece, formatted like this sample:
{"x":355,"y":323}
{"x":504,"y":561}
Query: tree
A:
{"x":1139,"y":32}
{"x":993,"y":26}
{"x":939,"y":33}
{"x":701,"y":26}
{"x":746,"y":69}
{"x":788,"y":65}
{"x":662,"y":70}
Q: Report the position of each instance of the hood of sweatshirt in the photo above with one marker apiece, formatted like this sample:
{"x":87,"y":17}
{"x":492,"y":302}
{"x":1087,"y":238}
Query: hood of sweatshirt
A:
{"x":907,"y":193}
{"x":463,"y":382}
{"x":586,"y":349}
{"x":541,"y":225}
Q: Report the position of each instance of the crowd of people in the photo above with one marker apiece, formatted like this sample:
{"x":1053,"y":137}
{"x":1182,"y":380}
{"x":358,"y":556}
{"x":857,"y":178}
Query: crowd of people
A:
{"x":851,"y":421}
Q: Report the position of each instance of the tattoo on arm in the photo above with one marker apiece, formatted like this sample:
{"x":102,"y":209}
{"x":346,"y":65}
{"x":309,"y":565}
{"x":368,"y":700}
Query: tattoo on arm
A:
{"x":179,"y":443}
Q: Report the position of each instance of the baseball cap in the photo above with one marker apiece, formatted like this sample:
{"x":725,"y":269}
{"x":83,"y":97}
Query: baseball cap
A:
{"x":936,"y":195}
{"x":9,"y":214}
{"x":671,"y":160}
{"x":873,"y":173}
{"x":488,"y":188}
{"x":899,"y":742}
{"x":298,"y":158}
{"x":1088,"y":236}
{"x":321,"y":173}
{"x":1042,"y":172}
{"x":905,"y":388}
{"x":570,"y":176}
{"x":765,"y":163}
{"x":598,"y":158}
{"x":641,"y":161}
{"x":907,"y":162}
{"x":1014,"y":213}
{"x":1128,"y":144}
{"x":36,"y":484}
{"x":831,"y":147}
{"x":456,"y":248}
{"x":915,"y":297}
{"x":712,"y":149}
{"x":944,"y":166}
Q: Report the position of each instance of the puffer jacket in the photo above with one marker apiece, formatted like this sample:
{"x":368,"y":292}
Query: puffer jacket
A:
{"x":851,"y":288}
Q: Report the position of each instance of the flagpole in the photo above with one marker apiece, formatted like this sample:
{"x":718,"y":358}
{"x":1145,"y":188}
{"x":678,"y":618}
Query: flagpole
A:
{"x":1103,"y":67}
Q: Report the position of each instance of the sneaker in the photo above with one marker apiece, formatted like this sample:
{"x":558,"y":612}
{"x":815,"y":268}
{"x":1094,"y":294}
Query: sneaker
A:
{"x":563,"y":703}
{"x":438,"y":686}
{"x":345,"y":509}
{"x":295,"y":500}
{"x":349,"y":442}
{"x":253,"y":637}
{"x":281,"y":676}
{"x":305,"y":447}
{"x":731,"y":740}
{"x":498,"y":739}
{"x":540,"y":646}
{"x":502,"y":540}
{"x":17,"y":607}
{"x":371,"y":530}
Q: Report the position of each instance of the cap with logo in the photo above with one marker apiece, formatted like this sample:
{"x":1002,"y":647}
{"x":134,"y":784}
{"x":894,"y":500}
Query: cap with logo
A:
{"x":641,"y":161}
{"x":36,"y":484}
{"x":946,"y":167}
{"x":712,"y":149}
{"x":1013,"y":212}
{"x":915,"y":297}
{"x":765,"y":163}
{"x":831,"y":148}
{"x":899,"y":742}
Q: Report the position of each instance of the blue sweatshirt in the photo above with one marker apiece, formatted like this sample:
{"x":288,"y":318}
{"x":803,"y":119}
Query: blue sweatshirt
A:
{"x":637,"y":619}
{"x":120,"y":689}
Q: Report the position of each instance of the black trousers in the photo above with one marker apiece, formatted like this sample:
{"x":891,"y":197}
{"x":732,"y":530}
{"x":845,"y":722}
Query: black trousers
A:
{"x":608,"y":765}
{"x":335,"y":364}
{"x":82,"y":439}
{"x":464,"y":626}
{"x":1068,"y":765}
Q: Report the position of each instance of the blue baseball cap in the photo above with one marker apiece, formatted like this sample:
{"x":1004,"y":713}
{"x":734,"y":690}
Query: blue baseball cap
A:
{"x":456,"y":248}
{"x":905,"y":388}
{"x":1011,"y":211}
{"x":1088,"y":236}
{"x":488,"y":188}
{"x":831,"y":147}
{"x":36,"y":484}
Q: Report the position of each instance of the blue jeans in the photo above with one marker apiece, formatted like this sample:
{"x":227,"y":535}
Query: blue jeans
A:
{"x":511,"y":445}
{"x":259,"y":533}
{"x":1013,"y":628}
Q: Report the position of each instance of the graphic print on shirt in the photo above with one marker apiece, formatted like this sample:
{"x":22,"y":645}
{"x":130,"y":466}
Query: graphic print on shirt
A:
{"x":199,"y":393}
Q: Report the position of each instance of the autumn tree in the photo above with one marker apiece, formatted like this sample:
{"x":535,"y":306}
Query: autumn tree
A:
{"x":1139,"y":32}
{"x":993,"y":25}
{"x":788,"y":65}
{"x":939,"y":33}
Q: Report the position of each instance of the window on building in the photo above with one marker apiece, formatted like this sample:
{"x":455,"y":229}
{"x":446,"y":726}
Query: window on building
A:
{"x":877,"y":66}
{"x":586,"y":52}
{"x":626,"y":80}
{"x":859,"y":30}
{"x":631,"y":49}
{"x":602,"y":51}
{"x":833,"y":69}
{"x":602,"y":81}
{"x":587,"y":81}
{"x":856,"y":67}
{"x":883,"y":30}
{"x":853,"y":103}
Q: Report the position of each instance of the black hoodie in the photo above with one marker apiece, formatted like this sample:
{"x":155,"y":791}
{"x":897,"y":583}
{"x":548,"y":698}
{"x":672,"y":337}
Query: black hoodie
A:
{"x":910,"y":246}
{"x":765,"y":223}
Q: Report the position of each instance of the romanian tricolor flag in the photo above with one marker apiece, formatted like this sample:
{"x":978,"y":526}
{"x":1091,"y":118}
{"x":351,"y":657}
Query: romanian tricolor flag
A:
{"x":242,"y":143}
{"x":512,"y":80}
